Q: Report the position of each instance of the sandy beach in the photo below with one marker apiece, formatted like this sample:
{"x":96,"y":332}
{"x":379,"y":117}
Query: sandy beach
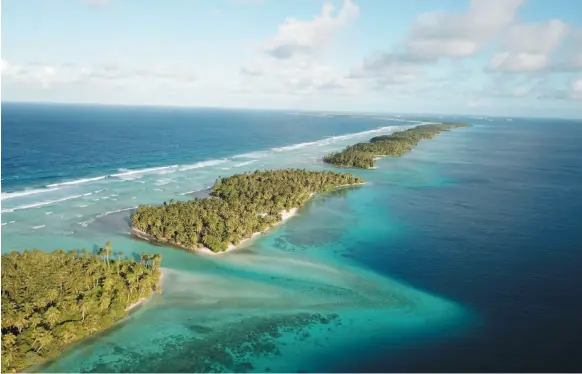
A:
{"x":143,"y":300}
{"x":285,"y":215}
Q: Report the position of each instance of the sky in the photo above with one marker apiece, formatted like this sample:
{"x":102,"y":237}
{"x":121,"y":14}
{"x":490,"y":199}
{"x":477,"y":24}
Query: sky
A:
{"x":496,"y":57}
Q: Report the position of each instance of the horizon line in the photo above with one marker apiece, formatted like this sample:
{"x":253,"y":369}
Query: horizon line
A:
{"x":289,"y":110}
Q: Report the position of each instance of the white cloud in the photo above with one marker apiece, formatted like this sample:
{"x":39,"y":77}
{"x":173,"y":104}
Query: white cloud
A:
{"x":518,"y":62}
{"x":4,"y":66}
{"x":48,"y":75}
{"x":254,"y":70}
{"x":294,"y":77}
{"x":40,"y":74}
{"x":447,"y":34}
{"x":571,"y":58}
{"x":389,"y":68}
{"x":299,"y":37}
{"x":528,"y":47}
{"x":576,"y":89}
{"x":292,"y":63}
{"x":542,"y":37}
{"x":437,"y":36}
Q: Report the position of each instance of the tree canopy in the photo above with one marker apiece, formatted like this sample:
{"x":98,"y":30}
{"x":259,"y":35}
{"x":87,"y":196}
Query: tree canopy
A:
{"x":363,"y":155}
{"x":239,"y":206}
{"x":50,"y":300}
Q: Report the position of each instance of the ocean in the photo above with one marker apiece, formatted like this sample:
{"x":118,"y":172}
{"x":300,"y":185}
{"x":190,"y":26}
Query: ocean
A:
{"x":462,"y":255}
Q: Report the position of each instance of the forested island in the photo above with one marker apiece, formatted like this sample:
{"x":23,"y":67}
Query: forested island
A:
{"x":364,"y":155}
{"x":239,"y":206}
{"x":50,"y":300}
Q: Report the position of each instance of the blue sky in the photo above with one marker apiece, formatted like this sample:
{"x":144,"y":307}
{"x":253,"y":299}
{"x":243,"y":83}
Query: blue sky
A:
{"x":502,"y":57}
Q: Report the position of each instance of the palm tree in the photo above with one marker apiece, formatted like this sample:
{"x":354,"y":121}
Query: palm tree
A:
{"x":43,"y":339}
{"x":52,"y":316}
{"x":28,"y":308}
{"x":7,"y":359}
{"x":104,"y":302}
{"x":35,"y":320}
{"x":84,"y":306}
{"x":20,"y":321}
{"x":52,"y":295}
{"x":132,"y":287}
{"x":67,"y":336}
{"x":107,"y":252}
{"x":91,"y":325}
{"x":107,"y":284}
{"x":8,"y":341}
{"x":143,"y":258}
{"x":119,"y":258}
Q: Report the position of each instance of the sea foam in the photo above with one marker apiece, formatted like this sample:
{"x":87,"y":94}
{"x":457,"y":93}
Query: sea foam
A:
{"x":244,"y":163}
{"x":114,"y":211}
{"x":11,"y":195}
{"x":78,"y":181}
{"x":126,"y":174}
{"x":42,"y":203}
{"x":202,"y":164}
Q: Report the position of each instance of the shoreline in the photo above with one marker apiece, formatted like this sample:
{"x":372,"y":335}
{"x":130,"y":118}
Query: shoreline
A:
{"x":360,"y":157}
{"x":285,"y":215}
{"x":132,"y":308}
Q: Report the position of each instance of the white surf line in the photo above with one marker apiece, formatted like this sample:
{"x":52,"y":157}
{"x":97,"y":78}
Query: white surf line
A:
{"x":251,"y":155}
{"x":78,"y":181}
{"x":39,"y":204}
{"x":12,"y":195}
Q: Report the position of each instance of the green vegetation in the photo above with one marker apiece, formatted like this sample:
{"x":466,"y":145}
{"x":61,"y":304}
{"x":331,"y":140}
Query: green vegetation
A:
{"x":239,"y":206}
{"x":52,"y":299}
{"x":363,"y":155}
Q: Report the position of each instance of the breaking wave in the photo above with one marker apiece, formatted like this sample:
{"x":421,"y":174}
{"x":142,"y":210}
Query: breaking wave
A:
{"x":126,"y":174}
{"x":203,"y":164}
{"x":91,"y":220}
{"x":42,"y":203}
{"x":244,"y":163}
{"x":260,"y":154}
{"x":114,"y":211}
{"x":11,"y":195}
{"x":78,"y":181}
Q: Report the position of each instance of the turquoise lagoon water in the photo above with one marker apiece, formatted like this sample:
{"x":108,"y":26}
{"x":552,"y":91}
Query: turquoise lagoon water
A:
{"x":400,"y":274}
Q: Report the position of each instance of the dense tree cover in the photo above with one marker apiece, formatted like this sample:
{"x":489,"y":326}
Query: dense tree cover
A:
{"x":239,"y":206}
{"x":52,"y":299}
{"x":363,"y":155}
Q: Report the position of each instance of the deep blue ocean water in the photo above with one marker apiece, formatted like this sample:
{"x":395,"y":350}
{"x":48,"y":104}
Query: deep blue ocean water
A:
{"x":45,"y":144}
{"x":476,"y":234}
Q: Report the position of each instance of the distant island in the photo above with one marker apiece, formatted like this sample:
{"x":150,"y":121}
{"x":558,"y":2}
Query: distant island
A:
{"x":239,"y":207}
{"x":50,"y":300}
{"x":364,"y":155}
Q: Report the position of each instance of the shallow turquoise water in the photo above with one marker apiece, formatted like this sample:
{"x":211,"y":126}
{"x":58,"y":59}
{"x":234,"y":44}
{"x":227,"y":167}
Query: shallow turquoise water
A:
{"x":290,"y":300}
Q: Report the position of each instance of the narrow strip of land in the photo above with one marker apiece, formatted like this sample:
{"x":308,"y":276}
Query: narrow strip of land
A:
{"x":364,"y":155}
{"x":239,"y":207}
